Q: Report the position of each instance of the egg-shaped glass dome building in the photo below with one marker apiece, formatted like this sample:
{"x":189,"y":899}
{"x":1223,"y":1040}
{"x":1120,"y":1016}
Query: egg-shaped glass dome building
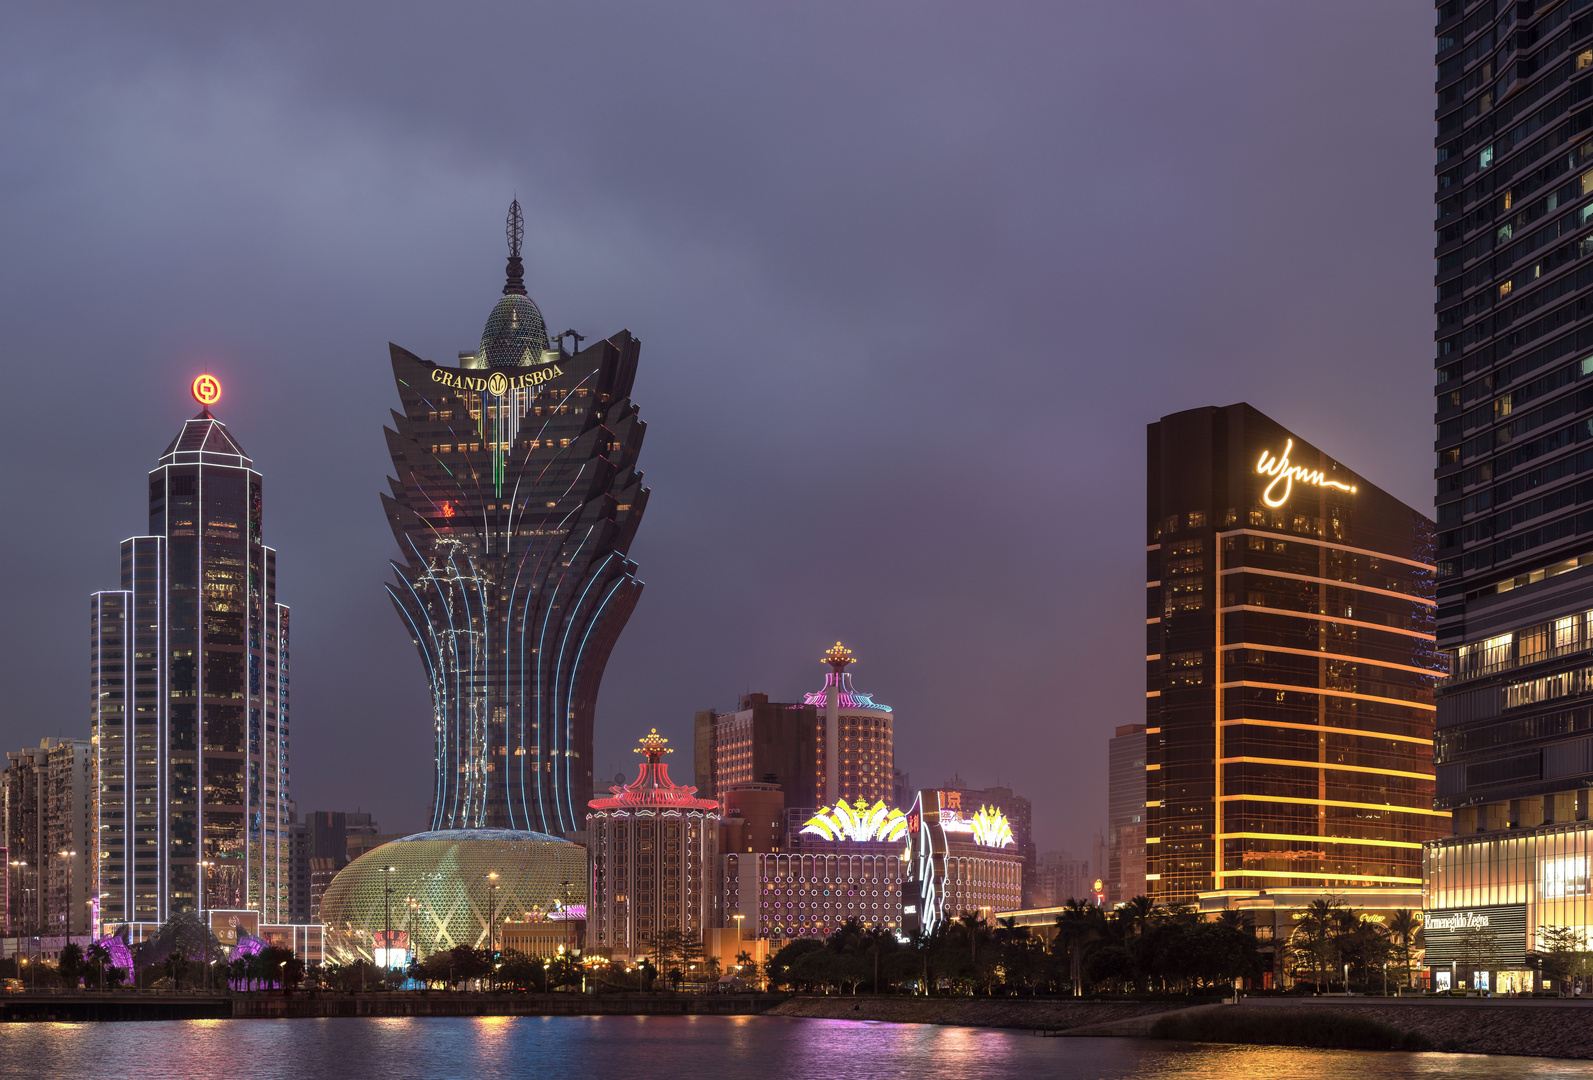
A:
{"x":442,"y":889}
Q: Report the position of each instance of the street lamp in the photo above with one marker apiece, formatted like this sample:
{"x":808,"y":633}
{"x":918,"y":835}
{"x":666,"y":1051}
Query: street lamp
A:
{"x":204,"y":920}
{"x":66,"y":915}
{"x":387,"y":916}
{"x":22,"y":865}
{"x":492,"y":913}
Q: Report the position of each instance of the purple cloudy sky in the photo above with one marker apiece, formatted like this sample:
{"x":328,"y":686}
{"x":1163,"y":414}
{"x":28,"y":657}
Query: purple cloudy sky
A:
{"x":910,"y":280}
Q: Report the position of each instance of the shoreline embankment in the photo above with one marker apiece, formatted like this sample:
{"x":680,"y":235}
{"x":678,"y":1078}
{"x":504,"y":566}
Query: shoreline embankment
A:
{"x":1522,"y":1027}
{"x":1543,"y":1027}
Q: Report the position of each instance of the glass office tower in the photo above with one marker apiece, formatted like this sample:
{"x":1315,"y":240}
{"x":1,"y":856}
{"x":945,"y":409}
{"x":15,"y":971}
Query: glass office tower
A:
{"x":1514,"y":352}
{"x":189,"y":697}
{"x":1289,"y":667}
{"x":514,"y":503}
{"x":1125,"y":815}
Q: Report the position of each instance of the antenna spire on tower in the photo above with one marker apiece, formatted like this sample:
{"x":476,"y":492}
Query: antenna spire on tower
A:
{"x":514,"y":229}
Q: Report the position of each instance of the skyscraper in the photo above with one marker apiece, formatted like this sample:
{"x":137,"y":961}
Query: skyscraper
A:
{"x":762,"y":741}
{"x":1125,"y":815}
{"x":856,"y":749}
{"x":652,"y":845}
{"x":514,"y":503}
{"x":189,"y":682}
{"x":837,"y":745}
{"x":1289,"y":670}
{"x":1514,"y":419}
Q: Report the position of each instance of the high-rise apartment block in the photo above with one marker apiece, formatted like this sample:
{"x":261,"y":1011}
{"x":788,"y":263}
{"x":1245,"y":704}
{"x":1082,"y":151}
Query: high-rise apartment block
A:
{"x":514,"y":500}
{"x":856,"y":749}
{"x":49,"y":812}
{"x":189,"y":705}
{"x":1059,"y":877}
{"x":652,"y":851}
{"x":1514,"y":415}
{"x":763,"y":741}
{"x":837,"y":744}
{"x":1289,"y":669}
{"x":1125,"y":815}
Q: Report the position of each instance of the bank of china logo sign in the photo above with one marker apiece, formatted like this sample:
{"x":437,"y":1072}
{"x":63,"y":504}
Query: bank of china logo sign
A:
{"x":1285,"y":474}
{"x":862,"y":823}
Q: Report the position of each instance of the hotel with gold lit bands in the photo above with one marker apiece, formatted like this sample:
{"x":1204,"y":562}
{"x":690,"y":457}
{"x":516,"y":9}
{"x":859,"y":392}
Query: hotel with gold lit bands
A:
{"x":1290,"y":665}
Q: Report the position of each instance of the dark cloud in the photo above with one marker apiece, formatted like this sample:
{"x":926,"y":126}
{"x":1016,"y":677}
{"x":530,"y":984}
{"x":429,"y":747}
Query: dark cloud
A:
{"x":909,"y":279}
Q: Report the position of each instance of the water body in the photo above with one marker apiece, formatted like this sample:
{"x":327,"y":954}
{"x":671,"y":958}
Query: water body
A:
{"x":659,"y":1048}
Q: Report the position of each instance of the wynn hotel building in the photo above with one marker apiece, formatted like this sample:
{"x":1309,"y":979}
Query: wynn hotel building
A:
{"x":1290,"y":665}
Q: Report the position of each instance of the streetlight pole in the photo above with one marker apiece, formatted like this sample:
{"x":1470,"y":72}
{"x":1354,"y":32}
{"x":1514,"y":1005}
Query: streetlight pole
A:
{"x":204,"y":921}
{"x":387,"y":916}
{"x":22,"y":902}
{"x":67,"y":913}
{"x":15,"y":926}
{"x":492,"y":917}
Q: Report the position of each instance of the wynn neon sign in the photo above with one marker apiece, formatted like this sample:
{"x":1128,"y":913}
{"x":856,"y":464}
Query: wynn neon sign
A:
{"x":1286,"y":474}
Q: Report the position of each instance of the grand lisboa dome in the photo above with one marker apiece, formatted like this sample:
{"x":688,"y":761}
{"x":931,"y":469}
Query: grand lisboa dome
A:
{"x":441,"y":893}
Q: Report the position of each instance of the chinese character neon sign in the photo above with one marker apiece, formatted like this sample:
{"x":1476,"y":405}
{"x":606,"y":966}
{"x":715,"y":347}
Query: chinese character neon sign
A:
{"x":207,"y":390}
{"x":1286,"y":474}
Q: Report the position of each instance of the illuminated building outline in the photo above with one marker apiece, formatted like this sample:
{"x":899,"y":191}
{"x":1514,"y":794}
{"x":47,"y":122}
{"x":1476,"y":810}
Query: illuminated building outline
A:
{"x":514,"y":501}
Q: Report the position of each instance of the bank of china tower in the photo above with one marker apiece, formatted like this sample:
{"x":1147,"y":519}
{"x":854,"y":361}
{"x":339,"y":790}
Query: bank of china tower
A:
{"x":514,"y":502}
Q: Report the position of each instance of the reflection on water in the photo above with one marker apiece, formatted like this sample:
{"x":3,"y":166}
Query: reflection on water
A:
{"x":653,"y":1047}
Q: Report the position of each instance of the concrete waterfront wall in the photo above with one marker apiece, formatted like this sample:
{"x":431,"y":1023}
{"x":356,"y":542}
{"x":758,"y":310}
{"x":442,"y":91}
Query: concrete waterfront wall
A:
{"x":1531,"y":1027}
{"x":1032,"y":1014}
{"x":132,"y":1005}
{"x":413,"y":1003}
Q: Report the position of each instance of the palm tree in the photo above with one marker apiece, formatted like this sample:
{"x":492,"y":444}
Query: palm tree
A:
{"x":100,"y":957}
{"x":1404,"y":929}
{"x":1316,"y":925}
{"x":1137,"y":913}
{"x":1078,"y":924}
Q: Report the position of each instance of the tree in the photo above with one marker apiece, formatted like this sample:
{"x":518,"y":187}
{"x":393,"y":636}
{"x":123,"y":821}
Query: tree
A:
{"x":176,"y":965}
{"x":1473,"y":948}
{"x":99,"y":958}
{"x":1558,"y":946}
{"x":1313,"y":934}
{"x":668,"y":949}
{"x":1404,"y":935}
{"x":777,"y":969}
{"x":691,"y":955}
{"x":69,"y":963}
{"x":1137,"y":914}
{"x":1079,"y":924}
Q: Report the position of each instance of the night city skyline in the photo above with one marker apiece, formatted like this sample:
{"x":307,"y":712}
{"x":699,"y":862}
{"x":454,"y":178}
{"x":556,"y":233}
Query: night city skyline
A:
{"x":909,"y":295}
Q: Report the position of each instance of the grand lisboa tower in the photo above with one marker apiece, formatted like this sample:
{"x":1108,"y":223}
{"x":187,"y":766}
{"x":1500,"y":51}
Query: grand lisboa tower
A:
{"x":514,"y":502}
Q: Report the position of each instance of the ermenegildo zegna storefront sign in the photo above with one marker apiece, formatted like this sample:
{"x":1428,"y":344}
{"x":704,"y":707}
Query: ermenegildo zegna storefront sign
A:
{"x":1490,"y":936}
